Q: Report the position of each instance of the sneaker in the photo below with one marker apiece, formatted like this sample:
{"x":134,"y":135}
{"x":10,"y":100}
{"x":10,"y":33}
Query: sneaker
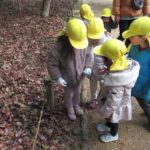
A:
{"x":102,"y":127}
{"x":72,"y":116}
{"x":108,"y":138}
{"x":78,"y":110}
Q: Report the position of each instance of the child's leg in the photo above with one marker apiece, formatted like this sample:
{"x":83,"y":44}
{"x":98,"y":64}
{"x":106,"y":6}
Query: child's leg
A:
{"x":76,"y":99}
{"x":113,"y":135}
{"x":113,"y":128}
{"x":144,"y":105}
{"x":93,"y":88}
{"x":68,"y":95}
{"x":76,"y":94}
{"x":94,"y":92}
{"x":146,"y":108}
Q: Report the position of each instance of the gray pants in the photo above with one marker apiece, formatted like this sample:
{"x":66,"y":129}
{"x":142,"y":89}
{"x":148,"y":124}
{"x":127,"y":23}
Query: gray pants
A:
{"x":72,"y":97}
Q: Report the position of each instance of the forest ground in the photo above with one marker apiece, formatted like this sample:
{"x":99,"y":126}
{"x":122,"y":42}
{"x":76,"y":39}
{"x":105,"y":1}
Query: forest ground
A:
{"x":25,"y":38}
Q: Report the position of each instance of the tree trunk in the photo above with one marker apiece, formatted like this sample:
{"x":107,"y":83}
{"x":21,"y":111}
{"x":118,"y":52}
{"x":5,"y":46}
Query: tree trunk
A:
{"x":46,"y":8}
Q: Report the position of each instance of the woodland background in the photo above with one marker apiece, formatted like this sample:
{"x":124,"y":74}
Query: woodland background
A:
{"x":27,"y":31}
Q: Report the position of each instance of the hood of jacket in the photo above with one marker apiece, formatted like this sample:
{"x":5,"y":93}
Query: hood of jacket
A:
{"x":124,"y":77}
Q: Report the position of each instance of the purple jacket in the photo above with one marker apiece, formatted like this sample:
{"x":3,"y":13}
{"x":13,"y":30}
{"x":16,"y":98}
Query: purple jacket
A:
{"x":68,"y":66}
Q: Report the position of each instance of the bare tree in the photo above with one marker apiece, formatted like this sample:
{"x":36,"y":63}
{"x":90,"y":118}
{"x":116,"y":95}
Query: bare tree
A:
{"x":46,"y":8}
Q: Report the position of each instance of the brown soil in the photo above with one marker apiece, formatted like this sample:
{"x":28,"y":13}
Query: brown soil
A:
{"x":133,"y":135}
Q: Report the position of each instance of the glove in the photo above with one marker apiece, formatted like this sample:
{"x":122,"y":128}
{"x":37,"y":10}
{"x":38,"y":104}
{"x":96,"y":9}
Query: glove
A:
{"x":87,"y":71}
{"x":61,"y":82}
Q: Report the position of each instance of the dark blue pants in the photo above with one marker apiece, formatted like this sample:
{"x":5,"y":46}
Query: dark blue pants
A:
{"x":145,"y":105}
{"x":113,"y":128}
{"x":124,"y":25}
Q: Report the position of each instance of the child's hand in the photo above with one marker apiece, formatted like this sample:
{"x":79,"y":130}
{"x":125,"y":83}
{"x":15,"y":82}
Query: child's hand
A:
{"x":102,"y":69}
{"x":117,"y":18}
{"x":87,"y":71}
{"x":61,"y":82}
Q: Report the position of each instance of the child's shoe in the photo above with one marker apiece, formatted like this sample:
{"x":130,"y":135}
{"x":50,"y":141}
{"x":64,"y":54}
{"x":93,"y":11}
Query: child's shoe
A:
{"x":108,"y":138}
{"x":71,"y":114}
{"x":78,"y":110}
{"x":102,"y":127}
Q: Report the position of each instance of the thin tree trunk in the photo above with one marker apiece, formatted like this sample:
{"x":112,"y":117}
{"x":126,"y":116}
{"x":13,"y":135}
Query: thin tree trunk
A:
{"x":46,"y":8}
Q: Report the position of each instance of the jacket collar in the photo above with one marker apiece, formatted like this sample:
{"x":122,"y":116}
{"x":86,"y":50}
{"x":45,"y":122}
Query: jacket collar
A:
{"x":123,"y":77}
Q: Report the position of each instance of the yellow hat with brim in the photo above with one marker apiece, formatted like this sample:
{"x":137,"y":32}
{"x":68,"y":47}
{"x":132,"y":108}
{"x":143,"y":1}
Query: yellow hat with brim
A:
{"x":79,"y":44}
{"x":97,"y":50}
{"x":86,"y":12}
{"x":106,"y":12}
{"x":95,"y":28}
{"x":140,"y":26}
{"x":114,"y":50}
{"x":77,"y":33}
{"x":96,"y":36}
{"x":88,"y":15}
{"x":128,"y":34}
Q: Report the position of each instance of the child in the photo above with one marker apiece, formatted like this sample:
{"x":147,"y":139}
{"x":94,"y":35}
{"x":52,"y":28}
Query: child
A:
{"x":86,"y":13}
{"x":114,"y":101}
{"x":107,"y":19}
{"x":68,"y":61}
{"x":139,"y":35}
{"x":97,"y":35}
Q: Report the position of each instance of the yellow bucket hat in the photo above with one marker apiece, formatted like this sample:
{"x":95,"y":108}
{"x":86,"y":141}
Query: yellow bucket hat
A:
{"x":140,"y":26}
{"x":106,"y":12}
{"x":114,"y":50}
{"x":86,"y":12}
{"x":77,"y":33}
{"x":95,"y":28}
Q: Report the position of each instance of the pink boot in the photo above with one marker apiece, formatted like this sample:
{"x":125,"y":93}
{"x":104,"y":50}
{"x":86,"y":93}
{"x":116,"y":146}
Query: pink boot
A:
{"x":71,"y":114}
{"x":78,"y":110}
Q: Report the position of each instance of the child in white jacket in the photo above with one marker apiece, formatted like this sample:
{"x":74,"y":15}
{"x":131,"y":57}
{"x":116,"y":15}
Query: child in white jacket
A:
{"x":114,"y":101}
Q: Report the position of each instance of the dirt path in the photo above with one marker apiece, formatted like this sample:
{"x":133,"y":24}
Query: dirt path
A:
{"x":133,"y":135}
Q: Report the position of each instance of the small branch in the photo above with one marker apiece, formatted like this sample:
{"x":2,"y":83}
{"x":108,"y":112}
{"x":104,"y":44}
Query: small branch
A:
{"x":38,"y":127}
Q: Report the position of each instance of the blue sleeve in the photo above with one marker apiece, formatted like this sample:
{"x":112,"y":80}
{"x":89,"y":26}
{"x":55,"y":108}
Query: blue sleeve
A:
{"x":129,"y":51}
{"x":129,"y":55}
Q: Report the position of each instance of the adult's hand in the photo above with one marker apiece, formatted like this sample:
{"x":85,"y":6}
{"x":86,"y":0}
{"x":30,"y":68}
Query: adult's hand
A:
{"x":117,"y":18}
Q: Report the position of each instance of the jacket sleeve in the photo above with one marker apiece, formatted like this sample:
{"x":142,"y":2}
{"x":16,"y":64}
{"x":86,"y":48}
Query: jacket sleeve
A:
{"x":112,"y":102}
{"x":89,"y":59}
{"x":53,"y":63}
{"x":116,"y":7}
{"x":146,"y":8}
